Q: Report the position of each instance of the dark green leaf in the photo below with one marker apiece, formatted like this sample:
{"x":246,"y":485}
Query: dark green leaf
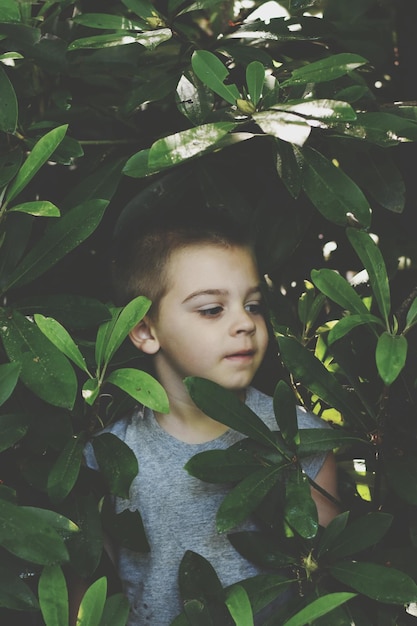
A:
{"x":223,"y":406}
{"x":9,"y":375}
{"x":412,"y":314}
{"x":401,"y":471}
{"x":124,"y":322}
{"x":22,"y":533}
{"x":150,"y":39}
{"x":125,"y":528}
{"x":326,"y":69}
{"x":116,"y":611}
{"x":117,"y":462}
{"x":382,"y":129}
{"x":60,"y":337}
{"x":384,"y":584}
{"x":373,"y":261}
{"x":142,"y":387}
{"x":92,"y":604}
{"x":198,"y":579}
{"x":85,"y":547}
{"x":286,"y":414}
{"x":332,"y":532}
{"x":288,"y":167}
{"x":332,"y":192}
{"x":44,"y":369}
{"x":107,"y":21}
{"x":53,"y":596}
{"x":245,"y":497}
{"x":219,"y":466}
{"x":211,"y":71}
{"x":145,"y":9}
{"x":346,"y":324}
{"x":8,"y":104}
{"x":72,"y":311}
{"x":390,"y":356}
{"x":264,"y":588}
{"x":335,"y":287}
{"x":14,"y":593}
{"x":13,"y":427}
{"x":62,"y":237}
{"x":197,"y":613}
{"x":10,"y":162}
{"x":263,"y":550}
{"x":313,"y":440}
{"x":300,"y":510}
{"x":65,"y":471}
{"x":362,"y":533}
{"x":319,"y":607}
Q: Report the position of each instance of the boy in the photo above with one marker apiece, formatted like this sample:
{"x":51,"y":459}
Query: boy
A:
{"x":206,"y":320}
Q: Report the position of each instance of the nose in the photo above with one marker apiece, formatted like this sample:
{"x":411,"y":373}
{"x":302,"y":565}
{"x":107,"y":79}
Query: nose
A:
{"x":243,"y":322}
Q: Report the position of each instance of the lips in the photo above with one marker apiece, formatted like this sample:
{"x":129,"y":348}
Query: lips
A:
{"x":242,"y":354}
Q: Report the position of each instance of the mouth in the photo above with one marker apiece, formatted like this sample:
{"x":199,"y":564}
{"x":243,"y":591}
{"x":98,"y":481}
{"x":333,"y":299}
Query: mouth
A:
{"x":242,"y":355}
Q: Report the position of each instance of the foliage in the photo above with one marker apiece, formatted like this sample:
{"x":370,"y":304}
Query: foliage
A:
{"x":271,"y":111}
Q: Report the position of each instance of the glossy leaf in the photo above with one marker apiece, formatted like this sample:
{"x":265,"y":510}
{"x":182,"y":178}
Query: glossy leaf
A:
{"x":326,"y":69}
{"x":332,"y":192}
{"x":65,"y":470}
{"x":198,"y":579}
{"x":117,"y":463}
{"x":9,"y":375}
{"x":142,"y":387}
{"x":285,"y":126}
{"x":61,"y":338}
{"x":239,"y":606}
{"x":373,"y":261}
{"x":384,"y":584}
{"x":53,"y":596}
{"x":106,"y":21}
{"x":13,"y":427}
{"x":332,"y":532}
{"x":286,"y":414}
{"x":8,"y":104}
{"x":245,"y":497}
{"x":219,"y":466}
{"x":300,"y":510}
{"x":360,"y":534}
{"x":223,"y":406}
{"x":22,"y":533}
{"x":41,"y":208}
{"x":307,"y":369}
{"x":390,"y":356}
{"x":90,"y":390}
{"x":335,"y":287}
{"x":211,"y":71}
{"x":313,"y":440}
{"x":116,"y":611}
{"x":329,"y":111}
{"x":194,"y":99}
{"x":382,"y":129}
{"x":255,"y":76}
{"x":346,"y":324}
{"x":318,"y":608}
{"x":39,"y":154}
{"x":62,"y":236}
{"x":187,"y":144}
{"x":150,"y":39}
{"x":44,"y":369}
{"x":92,"y":604}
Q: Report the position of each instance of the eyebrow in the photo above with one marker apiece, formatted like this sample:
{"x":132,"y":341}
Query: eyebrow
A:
{"x":218,"y":292}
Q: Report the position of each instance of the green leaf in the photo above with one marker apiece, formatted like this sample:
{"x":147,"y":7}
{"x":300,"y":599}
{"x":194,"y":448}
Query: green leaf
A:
{"x":124,"y":322}
{"x":117,"y":463}
{"x":326,"y":110}
{"x":241,"y":501}
{"x":90,"y":390}
{"x":8,"y":104}
{"x":63,"y":526}
{"x":286,"y":414}
{"x":411,"y":314}
{"x":307,"y":369}
{"x":332,"y":192}
{"x":390,"y":356}
{"x":86,"y":546}
{"x":44,"y":369}
{"x":141,"y":386}
{"x":255,"y":76}
{"x":10,"y":162}
{"x":61,"y":338}
{"x":211,"y":71}
{"x":107,"y":21}
{"x":64,"y":472}
{"x":346,"y":324}
{"x":288,"y":168}
{"x":223,"y":406}
{"x":319,"y":607}
{"x":145,"y":9}
{"x":53,"y":596}
{"x":362,"y":533}
{"x":125,"y":528}
{"x":9,"y":375}
{"x":194,"y":99}
{"x":237,"y":601}
{"x":41,"y":208}
{"x":313,"y":440}
{"x":14,"y":593}
{"x":326,"y":69}
{"x":384,"y":584}
{"x":13,"y":427}
{"x":39,"y":154}
{"x":219,"y":466}
{"x":373,"y":261}
{"x":198,"y":579}
{"x":9,"y":11}
{"x":72,"y":311}
{"x":182,"y":146}
{"x":335,"y":287}
{"x":116,"y":611}
{"x":332,"y":532}
{"x":62,"y":236}
{"x":285,"y":126}
{"x":150,"y":39}
{"x":27,"y":536}
{"x":300,"y":510}
{"x":401,"y":471}
{"x":92,"y":604}
{"x":261,"y":549}
{"x":382,"y":129}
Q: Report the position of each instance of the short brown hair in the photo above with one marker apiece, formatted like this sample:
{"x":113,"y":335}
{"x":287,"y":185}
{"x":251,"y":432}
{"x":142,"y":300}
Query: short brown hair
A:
{"x":140,"y":256}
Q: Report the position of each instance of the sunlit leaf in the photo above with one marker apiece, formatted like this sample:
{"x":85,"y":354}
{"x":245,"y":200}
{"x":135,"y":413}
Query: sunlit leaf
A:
{"x":330,"y":111}
{"x":318,"y":608}
{"x":92,"y":604}
{"x":335,"y":287}
{"x":390,"y":356}
{"x":285,"y":126}
{"x":53,"y":596}
{"x":194,"y":100}
{"x":41,"y":208}
{"x":211,"y":71}
{"x":326,"y":69}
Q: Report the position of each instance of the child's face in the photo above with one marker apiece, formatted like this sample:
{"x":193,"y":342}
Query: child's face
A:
{"x":210,"y":323}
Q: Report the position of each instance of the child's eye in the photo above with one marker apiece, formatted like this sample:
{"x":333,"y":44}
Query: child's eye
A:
{"x":212,"y":311}
{"x":256,"y":308}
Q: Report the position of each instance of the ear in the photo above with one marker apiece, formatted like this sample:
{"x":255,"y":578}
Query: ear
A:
{"x":144,"y":337}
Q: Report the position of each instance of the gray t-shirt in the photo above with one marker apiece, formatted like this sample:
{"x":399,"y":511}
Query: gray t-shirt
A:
{"x":179,"y":511}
